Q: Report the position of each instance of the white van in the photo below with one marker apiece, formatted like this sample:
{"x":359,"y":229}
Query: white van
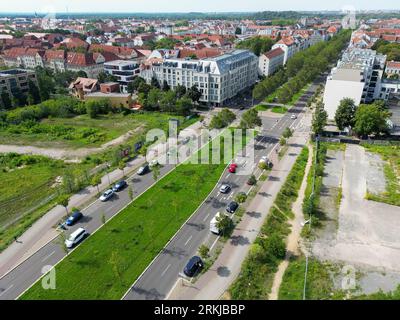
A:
{"x":213,"y":224}
{"x":75,"y":237}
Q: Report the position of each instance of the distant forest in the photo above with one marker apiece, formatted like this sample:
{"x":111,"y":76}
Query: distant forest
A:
{"x":264,"y":15}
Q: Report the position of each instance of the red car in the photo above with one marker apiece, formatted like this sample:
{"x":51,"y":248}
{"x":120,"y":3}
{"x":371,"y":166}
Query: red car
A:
{"x":232,"y":167}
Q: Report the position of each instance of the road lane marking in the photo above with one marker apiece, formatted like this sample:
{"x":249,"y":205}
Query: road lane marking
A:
{"x":166,"y":269}
{"x":48,"y":256}
{"x":187,"y":241}
{"x":206,"y":217}
{"x":6,"y":290}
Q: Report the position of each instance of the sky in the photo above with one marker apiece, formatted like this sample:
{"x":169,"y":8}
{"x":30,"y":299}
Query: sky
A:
{"x":45,"y":6}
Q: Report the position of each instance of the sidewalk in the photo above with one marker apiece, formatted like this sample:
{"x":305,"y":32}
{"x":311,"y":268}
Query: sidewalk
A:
{"x":43,"y":231}
{"x":213,"y":284}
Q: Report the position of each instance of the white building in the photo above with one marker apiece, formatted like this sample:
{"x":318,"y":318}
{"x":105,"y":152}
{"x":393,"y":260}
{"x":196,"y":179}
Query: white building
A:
{"x":288,"y":46}
{"x":358,"y":75}
{"x":270,"y":61}
{"x":124,"y":70}
{"x":218,"y":79}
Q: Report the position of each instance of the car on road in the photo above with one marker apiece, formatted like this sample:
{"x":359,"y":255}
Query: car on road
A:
{"x":232,"y":167}
{"x":143,"y":170}
{"x":232,"y":207}
{"x":293,"y":116}
{"x":264,"y":159}
{"x":119,"y":186}
{"x":107,"y":195}
{"x":77,"y":236}
{"x":74,"y":218}
{"x":194,"y":266}
{"x":153,"y":163}
{"x":225,"y":188}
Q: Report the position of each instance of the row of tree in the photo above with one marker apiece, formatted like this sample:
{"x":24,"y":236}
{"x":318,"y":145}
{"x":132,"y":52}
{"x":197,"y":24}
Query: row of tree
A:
{"x":302,"y":68}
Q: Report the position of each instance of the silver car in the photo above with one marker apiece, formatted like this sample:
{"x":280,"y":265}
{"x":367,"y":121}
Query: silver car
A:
{"x":225,"y":188}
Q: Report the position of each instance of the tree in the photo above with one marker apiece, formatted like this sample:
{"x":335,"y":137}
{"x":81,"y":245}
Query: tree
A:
{"x":154,"y":83}
{"x":6,"y":101}
{"x":134,"y":85}
{"x":165,"y":86}
{"x":282,"y":141}
{"x":204,"y":251}
{"x":287,"y":133}
{"x":167,"y":102}
{"x":194,"y":94}
{"x":241,"y":197}
{"x":180,"y":91}
{"x":33,"y":92}
{"x":63,"y":200}
{"x":121,"y":166}
{"x":370,"y":119}
{"x":319,"y":120}
{"x":275,"y":246}
{"x":95,"y":181}
{"x":153,"y":99}
{"x":156,"y":172}
{"x":224,"y":223}
{"x":184,"y":106}
{"x":345,"y":113}
{"x":238,"y":31}
{"x":250,"y":119}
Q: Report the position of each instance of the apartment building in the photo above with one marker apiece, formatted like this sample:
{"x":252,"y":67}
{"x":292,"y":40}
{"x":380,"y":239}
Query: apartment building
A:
{"x":12,"y":79}
{"x":393,"y":68}
{"x":218,"y":78}
{"x":358,"y":75}
{"x":124,"y":70}
{"x":270,"y":61}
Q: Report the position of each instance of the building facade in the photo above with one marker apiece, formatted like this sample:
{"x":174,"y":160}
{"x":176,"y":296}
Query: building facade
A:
{"x":14,"y":79}
{"x":124,"y":70}
{"x":270,"y":61}
{"x":218,"y":79}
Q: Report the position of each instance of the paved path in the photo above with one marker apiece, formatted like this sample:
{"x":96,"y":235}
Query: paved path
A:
{"x":223,"y":272}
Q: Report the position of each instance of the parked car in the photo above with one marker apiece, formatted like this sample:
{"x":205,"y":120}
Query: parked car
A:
{"x":293,"y":116}
{"x":232,"y":207}
{"x":242,"y":107}
{"x":232,"y":167}
{"x":225,"y":188}
{"x":266,"y":161}
{"x":75,"y":237}
{"x":107,"y":195}
{"x":252,"y":180}
{"x":119,"y":186}
{"x":74,"y":218}
{"x":143,"y":170}
{"x":153,"y":163}
{"x":194,"y":266}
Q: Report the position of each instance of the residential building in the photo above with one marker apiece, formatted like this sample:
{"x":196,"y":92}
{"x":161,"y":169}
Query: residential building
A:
{"x":124,"y":70}
{"x":287,"y":44}
{"x":218,"y":79}
{"x":83,"y":86}
{"x":358,"y":75}
{"x":12,"y":79}
{"x":393,"y":68}
{"x":270,"y":61}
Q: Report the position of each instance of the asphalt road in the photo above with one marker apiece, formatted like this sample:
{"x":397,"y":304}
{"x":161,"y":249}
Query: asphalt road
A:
{"x":159,"y":278}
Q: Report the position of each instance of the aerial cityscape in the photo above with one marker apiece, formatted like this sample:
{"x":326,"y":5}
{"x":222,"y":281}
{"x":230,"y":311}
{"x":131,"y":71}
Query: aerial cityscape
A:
{"x":194,"y":153}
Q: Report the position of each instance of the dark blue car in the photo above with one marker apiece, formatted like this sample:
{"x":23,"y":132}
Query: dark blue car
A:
{"x":74,"y":218}
{"x":119,"y":186}
{"x":194,"y":265}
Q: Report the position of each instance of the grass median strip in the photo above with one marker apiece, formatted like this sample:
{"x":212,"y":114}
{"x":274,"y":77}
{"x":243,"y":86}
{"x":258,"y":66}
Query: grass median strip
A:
{"x":108,"y":262}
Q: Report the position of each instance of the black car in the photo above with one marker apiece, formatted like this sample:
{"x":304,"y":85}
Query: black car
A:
{"x":119,"y":186}
{"x":194,"y":265}
{"x":232,"y":207}
{"x":143,"y":170}
{"x":74,"y":218}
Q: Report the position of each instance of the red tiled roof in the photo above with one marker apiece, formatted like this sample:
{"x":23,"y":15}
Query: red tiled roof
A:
{"x":274,"y":53}
{"x":393,"y":64}
{"x":54,"y":54}
{"x":80,"y":59}
{"x":201,"y":53}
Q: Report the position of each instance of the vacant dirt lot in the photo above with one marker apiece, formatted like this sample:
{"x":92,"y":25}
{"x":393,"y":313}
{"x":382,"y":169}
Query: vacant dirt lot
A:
{"x":360,"y":233}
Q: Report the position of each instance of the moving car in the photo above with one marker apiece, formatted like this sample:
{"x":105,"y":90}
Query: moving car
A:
{"x":119,"y":186}
{"x":143,"y":170}
{"x":225,"y":188}
{"x":75,"y":237}
{"x":194,"y":265}
{"x":74,"y":218}
{"x":232,"y":207}
{"x":232,"y":167}
{"x":107,"y":195}
{"x":293,"y":116}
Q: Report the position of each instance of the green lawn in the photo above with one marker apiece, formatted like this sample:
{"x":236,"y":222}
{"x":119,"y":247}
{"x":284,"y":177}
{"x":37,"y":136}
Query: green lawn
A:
{"x":82,"y":131}
{"x":275,"y":109}
{"x":108,"y":262}
{"x":391,"y":154}
{"x":26,"y":182}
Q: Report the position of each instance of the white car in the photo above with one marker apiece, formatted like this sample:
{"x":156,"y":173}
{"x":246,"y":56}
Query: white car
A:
{"x":293,"y":116}
{"x":153,"y":163}
{"x":225,"y":188}
{"x":107,"y":195}
{"x":75,"y":238}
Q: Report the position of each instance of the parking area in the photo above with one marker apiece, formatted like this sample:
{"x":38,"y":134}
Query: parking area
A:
{"x":363,"y":234}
